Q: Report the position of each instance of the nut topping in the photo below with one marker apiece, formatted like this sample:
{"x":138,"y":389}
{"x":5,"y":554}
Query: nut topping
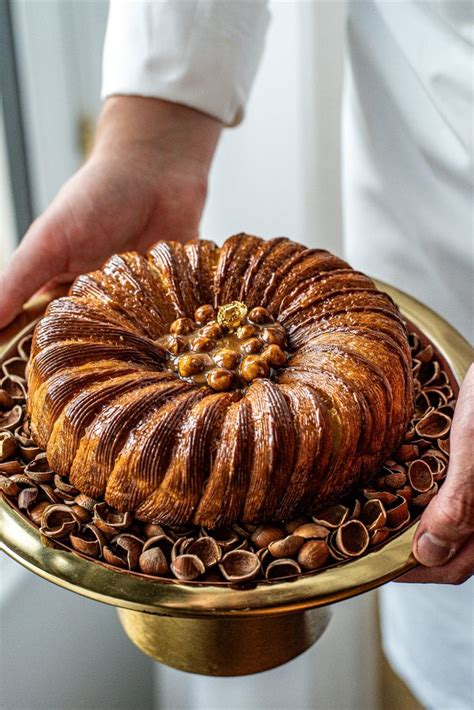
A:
{"x":204,"y":314}
{"x":182,"y":326}
{"x":220,"y":379}
{"x":216,"y":350}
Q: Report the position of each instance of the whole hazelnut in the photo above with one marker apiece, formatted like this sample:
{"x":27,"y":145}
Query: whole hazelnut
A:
{"x":274,"y":355}
{"x":273,"y":335}
{"x":254,"y":366}
{"x":260,"y":315}
{"x":202,"y":344}
{"x":313,"y":554}
{"x":252,"y":345}
{"x":174,"y":344}
{"x":246,"y":331}
{"x":220,"y":379}
{"x":265,"y":534}
{"x":225,"y":357}
{"x":182,"y":326}
{"x":191,"y":365}
{"x":211,"y":330}
{"x":153,"y":561}
{"x":204,"y":314}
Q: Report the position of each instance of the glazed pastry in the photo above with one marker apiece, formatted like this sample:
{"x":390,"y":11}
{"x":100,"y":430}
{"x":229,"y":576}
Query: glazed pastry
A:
{"x":207,"y":385}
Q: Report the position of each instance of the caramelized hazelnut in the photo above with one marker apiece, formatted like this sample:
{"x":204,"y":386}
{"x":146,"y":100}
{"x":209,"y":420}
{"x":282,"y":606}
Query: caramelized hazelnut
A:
{"x":274,"y":355}
{"x":220,"y":379}
{"x":191,"y":365}
{"x":204,"y":314}
{"x":246,"y":331}
{"x":174,"y":344}
{"x":252,"y":345}
{"x":182,"y":326}
{"x":201,"y":344}
{"x":225,"y":357}
{"x":273,"y":335}
{"x":260,"y":315}
{"x":254,"y":366}
{"x":211,"y":330}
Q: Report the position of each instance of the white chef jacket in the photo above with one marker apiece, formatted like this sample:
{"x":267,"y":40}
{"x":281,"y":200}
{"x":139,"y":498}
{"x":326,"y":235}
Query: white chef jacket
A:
{"x":408,"y":210}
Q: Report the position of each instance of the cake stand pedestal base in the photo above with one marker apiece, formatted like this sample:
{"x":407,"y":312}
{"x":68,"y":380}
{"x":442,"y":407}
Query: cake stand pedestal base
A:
{"x":224,"y":646}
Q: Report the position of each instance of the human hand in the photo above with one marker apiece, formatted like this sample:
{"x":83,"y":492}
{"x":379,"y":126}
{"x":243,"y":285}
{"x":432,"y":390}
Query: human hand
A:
{"x":444,"y":540}
{"x":145,"y":180}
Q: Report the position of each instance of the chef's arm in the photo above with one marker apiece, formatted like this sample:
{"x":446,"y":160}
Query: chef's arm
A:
{"x":175,"y":73}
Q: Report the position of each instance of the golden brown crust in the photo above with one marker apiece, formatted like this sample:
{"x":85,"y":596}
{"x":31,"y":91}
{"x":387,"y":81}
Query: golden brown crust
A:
{"x":110,"y":414}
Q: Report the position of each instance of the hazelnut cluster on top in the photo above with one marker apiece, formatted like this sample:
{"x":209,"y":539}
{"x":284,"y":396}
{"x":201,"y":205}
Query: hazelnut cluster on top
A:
{"x":226,"y":349}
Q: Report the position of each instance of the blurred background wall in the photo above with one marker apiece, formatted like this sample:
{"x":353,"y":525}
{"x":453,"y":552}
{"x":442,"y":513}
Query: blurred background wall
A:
{"x":278,"y":173}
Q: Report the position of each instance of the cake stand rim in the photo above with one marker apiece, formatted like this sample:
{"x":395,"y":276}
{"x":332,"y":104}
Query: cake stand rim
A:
{"x":21,"y":541}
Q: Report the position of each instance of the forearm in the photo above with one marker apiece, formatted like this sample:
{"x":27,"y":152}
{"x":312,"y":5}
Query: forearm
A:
{"x":173,"y":133}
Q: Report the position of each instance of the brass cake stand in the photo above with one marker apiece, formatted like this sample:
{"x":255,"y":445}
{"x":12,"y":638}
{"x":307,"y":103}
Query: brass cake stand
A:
{"x":216,"y":630}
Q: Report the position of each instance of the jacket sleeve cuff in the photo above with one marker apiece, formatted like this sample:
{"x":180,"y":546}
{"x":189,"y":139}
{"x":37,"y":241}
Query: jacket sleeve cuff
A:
{"x":200,"y":53}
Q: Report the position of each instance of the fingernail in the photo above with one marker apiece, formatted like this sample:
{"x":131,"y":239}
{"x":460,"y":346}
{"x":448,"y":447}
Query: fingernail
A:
{"x":431,"y":551}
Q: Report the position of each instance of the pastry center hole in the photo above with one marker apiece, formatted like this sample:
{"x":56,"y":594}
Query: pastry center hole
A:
{"x":225,"y":348}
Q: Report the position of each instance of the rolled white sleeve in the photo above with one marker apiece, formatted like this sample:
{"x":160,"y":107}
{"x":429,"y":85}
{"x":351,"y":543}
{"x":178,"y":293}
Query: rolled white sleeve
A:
{"x":200,"y":53}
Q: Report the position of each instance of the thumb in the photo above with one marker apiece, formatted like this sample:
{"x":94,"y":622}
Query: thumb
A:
{"x":449,"y":519}
{"x":40,"y":257}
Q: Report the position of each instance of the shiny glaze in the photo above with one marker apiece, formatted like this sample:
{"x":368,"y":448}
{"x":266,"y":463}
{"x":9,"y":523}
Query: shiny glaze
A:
{"x":109,"y":409}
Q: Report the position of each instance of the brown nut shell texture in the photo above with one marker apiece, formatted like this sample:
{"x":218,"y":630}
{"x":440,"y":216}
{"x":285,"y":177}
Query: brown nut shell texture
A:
{"x":118,"y":457}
